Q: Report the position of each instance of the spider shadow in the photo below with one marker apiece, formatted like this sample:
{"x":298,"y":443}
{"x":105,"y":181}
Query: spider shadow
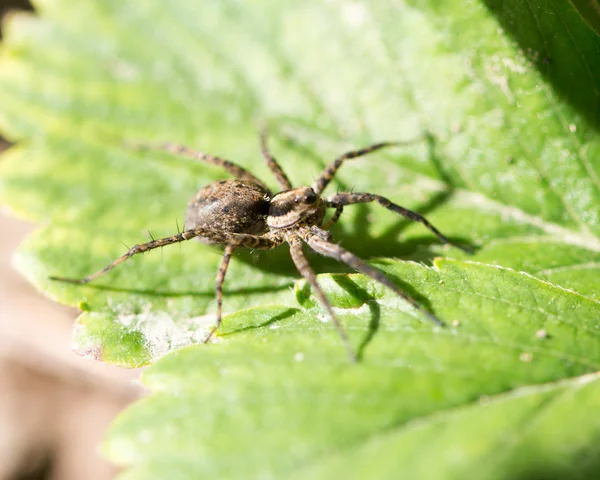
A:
{"x":388,"y":244}
{"x":185,"y":293}
{"x":374,"y":309}
{"x":277,"y":318}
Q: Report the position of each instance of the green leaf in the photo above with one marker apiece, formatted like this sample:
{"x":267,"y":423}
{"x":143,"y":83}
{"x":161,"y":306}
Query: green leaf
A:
{"x":508,"y":94}
{"x":316,"y":415}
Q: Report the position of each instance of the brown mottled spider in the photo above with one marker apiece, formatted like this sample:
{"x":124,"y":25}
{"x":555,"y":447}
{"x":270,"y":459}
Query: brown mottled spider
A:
{"x":245,"y":213}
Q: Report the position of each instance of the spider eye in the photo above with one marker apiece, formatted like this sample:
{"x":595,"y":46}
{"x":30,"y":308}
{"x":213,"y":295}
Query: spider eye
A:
{"x":310,"y":197}
{"x":306,"y":196}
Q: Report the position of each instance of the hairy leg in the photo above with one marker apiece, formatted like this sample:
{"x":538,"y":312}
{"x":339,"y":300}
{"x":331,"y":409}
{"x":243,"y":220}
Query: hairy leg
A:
{"x":335,"y":251}
{"x":307,"y":272}
{"x":339,"y":200}
{"x":282,"y":179}
{"x":329,"y":172}
{"x":226,"y":165}
{"x":336,"y":215}
{"x":236,"y":239}
{"x":229,"y":249}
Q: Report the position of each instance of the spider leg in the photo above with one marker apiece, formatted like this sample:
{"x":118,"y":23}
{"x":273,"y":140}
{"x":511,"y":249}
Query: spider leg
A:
{"x":226,"y":165}
{"x":229,"y":249}
{"x":329,"y":172}
{"x":335,"y":251}
{"x":267,"y":241}
{"x":282,"y":179}
{"x":140,"y":248}
{"x":339,"y":200}
{"x":237,"y":239}
{"x":336,"y":215}
{"x":307,"y":272}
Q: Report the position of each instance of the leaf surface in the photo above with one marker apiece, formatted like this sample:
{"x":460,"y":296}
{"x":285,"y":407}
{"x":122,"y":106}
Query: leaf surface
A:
{"x":504,"y":118}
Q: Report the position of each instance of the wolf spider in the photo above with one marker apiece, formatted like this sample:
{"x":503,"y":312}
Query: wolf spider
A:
{"x":244,"y":213}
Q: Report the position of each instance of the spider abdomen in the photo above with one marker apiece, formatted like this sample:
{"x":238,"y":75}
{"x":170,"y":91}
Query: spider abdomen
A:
{"x":232,"y":206}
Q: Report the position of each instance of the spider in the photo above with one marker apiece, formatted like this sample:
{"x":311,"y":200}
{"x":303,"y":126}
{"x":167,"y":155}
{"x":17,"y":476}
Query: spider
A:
{"x":244,"y":213}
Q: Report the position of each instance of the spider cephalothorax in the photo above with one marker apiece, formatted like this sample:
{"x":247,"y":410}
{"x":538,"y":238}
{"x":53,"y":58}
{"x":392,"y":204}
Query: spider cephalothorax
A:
{"x":243,"y":213}
{"x":291,"y":208}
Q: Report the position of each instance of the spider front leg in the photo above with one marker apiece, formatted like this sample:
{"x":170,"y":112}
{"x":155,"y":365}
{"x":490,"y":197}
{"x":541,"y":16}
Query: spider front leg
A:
{"x":339,"y":200}
{"x":327,"y":175}
{"x":307,"y":272}
{"x":335,"y":251}
{"x":329,"y":172}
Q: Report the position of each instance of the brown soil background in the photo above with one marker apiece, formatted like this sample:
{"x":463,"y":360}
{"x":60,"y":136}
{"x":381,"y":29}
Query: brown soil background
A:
{"x":54,"y":405}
